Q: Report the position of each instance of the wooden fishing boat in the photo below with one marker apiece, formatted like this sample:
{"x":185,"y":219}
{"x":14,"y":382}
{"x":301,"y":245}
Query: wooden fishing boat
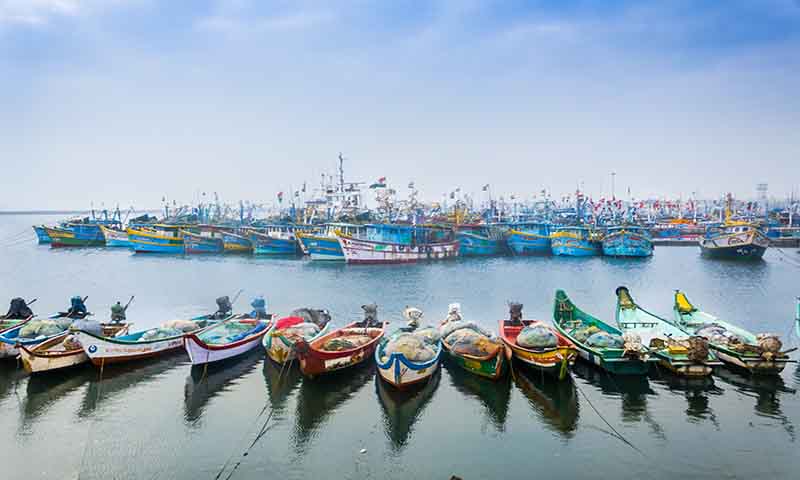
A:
{"x":529,"y":238}
{"x":554,"y":361}
{"x":281,"y":348}
{"x":678,"y":352}
{"x":491,"y":366}
{"x":401,"y":372}
{"x":55,"y":354}
{"x":628,"y":241}
{"x":156,"y":239}
{"x":115,"y":237}
{"x":76,"y":235}
{"x":314,"y":360}
{"x":481,"y":240}
{"x":735,"y":346}
{"x":734,"y":240}
{"x":225,"y":340}
{"x":274,"y":241}
{"x":575,"y":242}
{"x":41,"y":234}
{"x":206,"y":242}
{"x":10,"y":341}
{"x":399,"y":244}
{"x":7,"y":349}
{"x":631,"y":359}
{"x":235,"y":243}
{"x":324,"y":245}
{"x":126,"y":348}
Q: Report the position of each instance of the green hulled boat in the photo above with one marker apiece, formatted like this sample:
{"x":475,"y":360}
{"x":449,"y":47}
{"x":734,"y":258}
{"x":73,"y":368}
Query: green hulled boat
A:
{"x":676,"y":350}
{"x":577,"y":325}
{"x":758,"y":354}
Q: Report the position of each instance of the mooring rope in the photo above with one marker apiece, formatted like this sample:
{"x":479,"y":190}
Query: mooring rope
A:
{"x":616,"y":433}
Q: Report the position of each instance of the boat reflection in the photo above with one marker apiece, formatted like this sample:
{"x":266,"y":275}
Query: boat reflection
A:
{"x":696,"y":391}
{"x":117,"y":379}
{"x":280,"y":381}
{"x":320,"y":398}
{"x":204,"y":384}
{"x":10,"y":377}
{"x":494,"y":396}
{"x":44,"y":391}
{"x":555,"y":403}
{"x":767,"y":391}
{"x":402,"y":408}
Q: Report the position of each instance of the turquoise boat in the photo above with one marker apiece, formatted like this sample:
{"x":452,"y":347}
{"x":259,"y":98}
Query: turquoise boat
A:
{"x":481,"y":240}
{"x":208,"y":241}
{"x":41,"y":234}
{"x":236,"y":243}
{"x":575,"y":324}
{"x":324,"y":245}
{"x":627,"y":241}
{"x":529,"y":238}
{"x":576,"y":242}
{"x":274,"y":240}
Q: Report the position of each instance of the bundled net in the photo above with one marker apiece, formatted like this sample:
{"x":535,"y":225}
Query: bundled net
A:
{"x":468,"y":341}
{"x":581,"y":334}
{"x":230,"y":332}
{"x":537,"y":336}
{"x":42,"y":328}
{"x":719,"y":335}
{"x":185,"y":326}
{"x":159,"y":334}
{"x":605,"y":340}
{"x":305,"y":331}
{"x":413,"y":346}
{"x":346,"y":342}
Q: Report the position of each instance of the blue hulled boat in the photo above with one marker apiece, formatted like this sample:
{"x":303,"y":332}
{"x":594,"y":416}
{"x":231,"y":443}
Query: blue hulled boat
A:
{"x":575,"y":242}
{"x":481,"y":240}
{"x":207,"y":241}
{"x":530,"y":238}
{"x":156,"y":239}
{"x":325,"y":244}
{"x":236,"y":243}
{"x":274,"y":240}
{"x":41,"y":234}
{"x":628,"y":241}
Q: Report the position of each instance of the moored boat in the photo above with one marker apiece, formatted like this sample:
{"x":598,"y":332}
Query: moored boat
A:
{"x":274,"y":240}
{"x":735,"y":346}
{"x":228,"y":339}
{"x":235,"y":243}
{"x":677,"y":351}
{"x":62,"y":351}
{"x":279,"y":343}
{"x":14,"y":338}
{"x":734,"y":240}
{"x":529,"y":238}
{"x":75,"y":235}
{"x":342,"y":348}
{"x":575,"y":242}
{"x":324,"y":245}
{"x":156,"y":239}
{"x":554,"y":357}
{"x":208,"y":241}
{"x":41,"y":234}
{"x":481,"y":240}
{"x":408,"y":357}
{"x":627,"y":241}
{"x":485,"y":358}
{"x":628,"y":357}
{"x":399,"y":244}
{"x":115,"y":237}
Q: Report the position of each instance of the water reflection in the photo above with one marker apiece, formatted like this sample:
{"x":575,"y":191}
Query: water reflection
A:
{"x":402,"y":408}
{"x":116,"y":379}
{"x":281,"y":381}
{"x":633,"y":390}
{"x":696,"y":391}
{"x":44,"y":391}
{"x":767,"y":392}
{"x":555,"y":403}
{"x":494,"y":396}
{"x":204,"y":384}
{"x":320,"y":398}
{"x":9,"y":379}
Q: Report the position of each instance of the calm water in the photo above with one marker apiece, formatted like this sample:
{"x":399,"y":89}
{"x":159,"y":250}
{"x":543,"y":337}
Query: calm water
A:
{"x":162,"y":420}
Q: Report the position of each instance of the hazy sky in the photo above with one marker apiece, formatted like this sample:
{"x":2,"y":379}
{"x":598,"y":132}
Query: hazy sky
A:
{"x":124,"y":101}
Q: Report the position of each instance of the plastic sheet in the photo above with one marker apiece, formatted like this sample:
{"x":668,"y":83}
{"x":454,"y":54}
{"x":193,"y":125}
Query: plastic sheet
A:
{"x":537,"y":336}
{"x":90,"y":326}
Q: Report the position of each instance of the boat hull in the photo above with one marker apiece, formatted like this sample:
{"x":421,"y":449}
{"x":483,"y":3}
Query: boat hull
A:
{"x":44,"y":358}
{"x":201,"y":353}
{"x":572,"y":247}
{"x":197,"y":244}
{"x":321,"y":248}
{"x":103,"y":351}
{"x":400,"y":372}
{"x":266,"y":245}
{"x":115,"y":238}
{"x":281,"y":349}
{"x":554,"y":361}
{"x":151,"y":242}
{"x":236,"y":243}
{"x":474,"y":245}
{"x":358,"y":251}
{"x":41,"y":234}
{"x":740,"y":246}
{"x":314,"y":361}
{"x":627,"y":244}
{"x":525,"y":243}
{"x":62,"y":237}
{"x":492,"y":367}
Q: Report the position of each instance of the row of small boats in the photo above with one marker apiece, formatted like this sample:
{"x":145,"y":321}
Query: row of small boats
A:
{"x":691,"y":344}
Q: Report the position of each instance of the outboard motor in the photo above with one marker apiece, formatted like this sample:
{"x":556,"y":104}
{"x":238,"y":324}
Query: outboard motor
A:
{"x":77,"y":308}
{"x":370,"y":316}
{"x":318,"y":316}
{"x":515,"y":313}
{"x":18,"y":309}
{"x":259,"y":308}
{"x":224,"y":307}
{"x":453,"y":313}
{"x":412,"y":316}
{"x":118,"y":313}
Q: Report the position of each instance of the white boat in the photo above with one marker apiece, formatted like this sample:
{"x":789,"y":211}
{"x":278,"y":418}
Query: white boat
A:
{"x":280,"y":348}
{"x":226,"y":340}
{"x":399,"y":244}
{"x":400,"y":372}
{"x":55,"y":354}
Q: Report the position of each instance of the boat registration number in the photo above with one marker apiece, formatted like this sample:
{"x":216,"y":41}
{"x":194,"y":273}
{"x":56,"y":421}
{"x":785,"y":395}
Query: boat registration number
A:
{"x":338,"y":362}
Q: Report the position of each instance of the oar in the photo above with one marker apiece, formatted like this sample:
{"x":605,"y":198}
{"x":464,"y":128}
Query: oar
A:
{"x":129,"y":302}
{"x":236,"y":297}
{"x":31,"y":302}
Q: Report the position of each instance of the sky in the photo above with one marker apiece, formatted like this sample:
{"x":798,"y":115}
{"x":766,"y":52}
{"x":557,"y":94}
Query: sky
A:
{"x":110,"y":102}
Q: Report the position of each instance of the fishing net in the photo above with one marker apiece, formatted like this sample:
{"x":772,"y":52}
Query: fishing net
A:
{"x":697,"y":350}
{"x":294,"y":333}
{"x":41,"y":328}
{"x":231,"y":332}
{"x":414,"y":347}
{"x":159,"y":334}
{"x":182,"y":325}
{"x":537,"y":336}
{"x":346,"y":342}
{"x":719,"y":335}
{"x":466,"y":341}
{"x":583,"y":333}
{"x":604,"y":340}
{"x":89,"y":326}
{"x":451,"y":327}
{"x":71,"y":343}
{"x":317,"y":316}
{"x":430,"y":334}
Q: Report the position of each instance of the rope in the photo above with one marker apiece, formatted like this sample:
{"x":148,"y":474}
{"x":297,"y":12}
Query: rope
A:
{"x":788,"y":259}
{"x":616,"y":433}
{"x":262,"y":430}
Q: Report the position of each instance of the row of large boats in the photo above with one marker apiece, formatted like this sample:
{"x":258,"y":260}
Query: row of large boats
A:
{"x":691,"y":344}
{"x":395,"y":243}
